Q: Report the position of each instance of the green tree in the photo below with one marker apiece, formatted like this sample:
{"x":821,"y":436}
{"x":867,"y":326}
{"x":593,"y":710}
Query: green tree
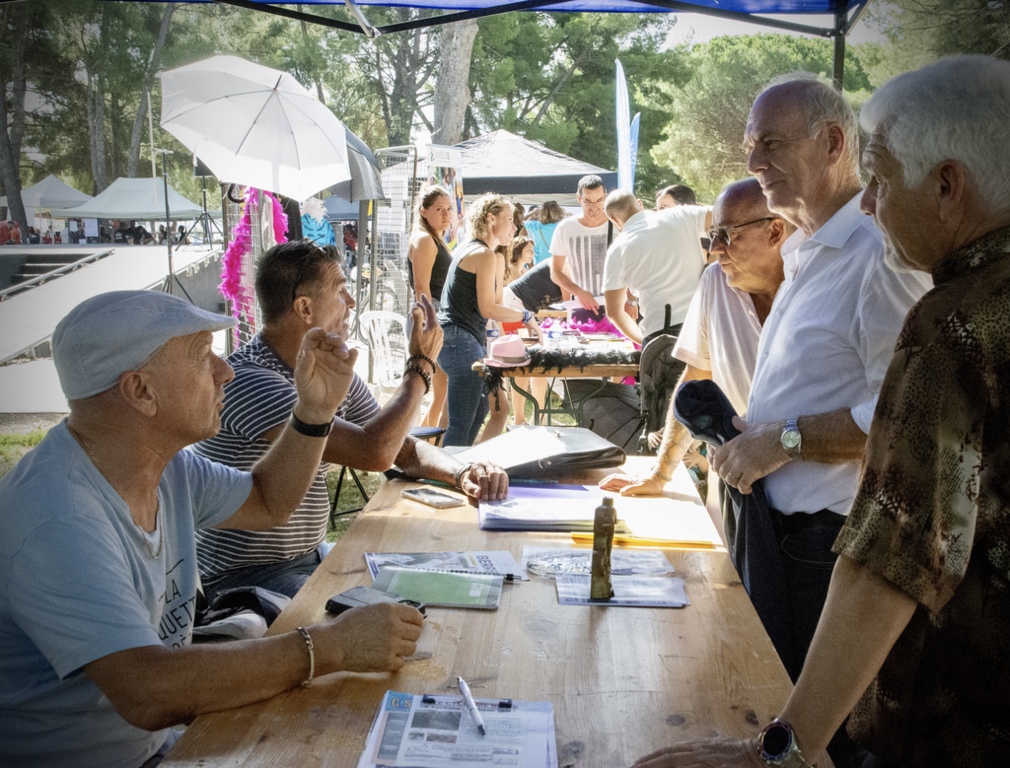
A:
{"x":917,"y":32}
{"x":551,"y":77}
{"x":707,"y":115}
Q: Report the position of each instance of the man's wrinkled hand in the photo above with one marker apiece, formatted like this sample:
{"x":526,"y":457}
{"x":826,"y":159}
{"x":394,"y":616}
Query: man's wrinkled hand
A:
{"x":616,"y":481}
{"x":485,"y":481}
{"x":425,"y":332}
{"x":634,"y":485}
{"x":324,"y":371}
{"x":373,"y":638}
{"x":753,"y":454}
{"x":704,"y":754}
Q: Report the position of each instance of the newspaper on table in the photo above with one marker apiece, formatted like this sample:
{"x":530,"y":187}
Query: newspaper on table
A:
{"x":635,"y":591}
{"x":499,"y":562}
{"x":564,"y":561}
{"x":415,"y":731}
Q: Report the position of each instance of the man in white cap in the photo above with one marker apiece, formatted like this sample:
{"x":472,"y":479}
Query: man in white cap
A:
{"x":97,"y":550}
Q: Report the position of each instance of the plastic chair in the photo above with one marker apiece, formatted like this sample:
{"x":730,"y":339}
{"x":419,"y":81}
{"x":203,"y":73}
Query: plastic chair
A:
{"x":386,"y":334}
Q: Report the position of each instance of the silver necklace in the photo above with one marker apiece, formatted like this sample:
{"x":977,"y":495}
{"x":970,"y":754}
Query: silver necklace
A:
{"x":154,"y":552}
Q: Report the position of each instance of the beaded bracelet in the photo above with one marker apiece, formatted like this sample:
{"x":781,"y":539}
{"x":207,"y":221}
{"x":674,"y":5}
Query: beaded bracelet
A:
{"x":425,"y":377}
{"x":312,"y":656}
{"x":426,"y":359}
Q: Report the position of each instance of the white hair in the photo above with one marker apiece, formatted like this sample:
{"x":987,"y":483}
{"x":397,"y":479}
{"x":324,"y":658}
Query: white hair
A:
{"x":956,"y":109}
{"x":823,"y":105}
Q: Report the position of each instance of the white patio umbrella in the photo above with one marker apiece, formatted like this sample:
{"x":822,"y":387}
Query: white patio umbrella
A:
{"x":254,"y":126}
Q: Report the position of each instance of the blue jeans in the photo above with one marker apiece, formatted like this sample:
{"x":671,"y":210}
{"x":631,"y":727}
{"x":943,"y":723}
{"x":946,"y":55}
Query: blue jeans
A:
{"x":466,"y":400}
{"x":285,"y":577}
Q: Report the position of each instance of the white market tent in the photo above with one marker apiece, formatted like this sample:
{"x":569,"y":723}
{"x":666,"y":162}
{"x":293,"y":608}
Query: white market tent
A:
{"x":50,"y":193}
{"x":142,"y":199}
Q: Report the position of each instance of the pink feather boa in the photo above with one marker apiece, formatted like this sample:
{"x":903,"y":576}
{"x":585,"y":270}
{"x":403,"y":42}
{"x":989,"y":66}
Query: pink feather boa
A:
{"x":241,"y":244}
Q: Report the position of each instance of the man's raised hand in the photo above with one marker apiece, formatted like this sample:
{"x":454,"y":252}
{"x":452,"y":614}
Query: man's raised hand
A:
{"x":323,"y":374}
{"x":425,"y":332}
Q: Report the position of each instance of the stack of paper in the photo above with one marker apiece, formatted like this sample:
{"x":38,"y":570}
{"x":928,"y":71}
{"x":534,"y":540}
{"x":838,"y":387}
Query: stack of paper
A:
{"x":642,"y":521}
{"x":543,"y":508}
{"x":412,"y":731}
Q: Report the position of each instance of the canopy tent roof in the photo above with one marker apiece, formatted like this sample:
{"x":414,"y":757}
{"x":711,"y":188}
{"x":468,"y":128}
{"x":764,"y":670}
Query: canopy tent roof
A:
{"x":50,"y":193}
{"x":845,"y":13}
{"x":510,"y":165}
{"x":134,"y":199}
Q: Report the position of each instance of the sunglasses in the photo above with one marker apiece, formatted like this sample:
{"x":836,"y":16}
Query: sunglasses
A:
{"x":723,"y":233}
{"x":306,"y":265}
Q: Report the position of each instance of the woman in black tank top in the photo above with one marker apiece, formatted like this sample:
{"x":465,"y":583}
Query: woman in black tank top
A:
{"x":428,"y":263}
{"x":473,"y":295}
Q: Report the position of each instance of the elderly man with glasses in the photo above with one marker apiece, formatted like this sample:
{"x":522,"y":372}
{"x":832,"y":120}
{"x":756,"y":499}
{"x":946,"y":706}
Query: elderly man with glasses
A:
{"x":719,"y":337}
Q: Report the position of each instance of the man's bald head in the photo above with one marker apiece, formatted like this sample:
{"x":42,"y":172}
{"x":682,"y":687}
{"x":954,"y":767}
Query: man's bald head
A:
{"x":621,"y":205}
{"x":744,"y":198}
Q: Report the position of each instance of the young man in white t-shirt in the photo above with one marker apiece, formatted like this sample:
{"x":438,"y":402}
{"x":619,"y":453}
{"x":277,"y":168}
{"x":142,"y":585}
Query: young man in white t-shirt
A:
{"x":582,"y":243}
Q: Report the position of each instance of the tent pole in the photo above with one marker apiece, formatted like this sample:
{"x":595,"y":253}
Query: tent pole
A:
{"x":838,"y":70}
{"x":171,"y":279}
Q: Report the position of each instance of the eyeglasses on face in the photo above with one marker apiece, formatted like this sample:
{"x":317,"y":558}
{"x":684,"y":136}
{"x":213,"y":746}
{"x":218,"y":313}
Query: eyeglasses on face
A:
{"x":725,"y":233}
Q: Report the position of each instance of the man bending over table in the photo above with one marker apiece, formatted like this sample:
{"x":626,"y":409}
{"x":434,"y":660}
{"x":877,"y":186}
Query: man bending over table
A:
{"x":97,"y":548}
{"x":299,"y":286}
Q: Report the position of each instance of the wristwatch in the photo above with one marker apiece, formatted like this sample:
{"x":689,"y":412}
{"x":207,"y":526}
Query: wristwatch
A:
{"x":777,"y":746}
{"x":791,"y":438}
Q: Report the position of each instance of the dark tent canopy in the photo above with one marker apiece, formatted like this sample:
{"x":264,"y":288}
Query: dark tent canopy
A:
{"x":845,"y":13}
{"x":510,"y":165}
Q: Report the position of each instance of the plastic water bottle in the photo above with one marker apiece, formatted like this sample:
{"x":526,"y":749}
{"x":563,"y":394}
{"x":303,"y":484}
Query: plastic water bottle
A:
{"x":492,"y":333}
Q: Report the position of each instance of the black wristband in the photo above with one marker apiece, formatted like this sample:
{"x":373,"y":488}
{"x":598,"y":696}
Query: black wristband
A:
{"x":426,"y":359}
{"x":426,"y":378}
{"x":310,"y":430}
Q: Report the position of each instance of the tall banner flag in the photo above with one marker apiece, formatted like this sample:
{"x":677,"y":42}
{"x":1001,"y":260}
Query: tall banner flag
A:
{"x":625,"y":169}
{"x":634,"y":147}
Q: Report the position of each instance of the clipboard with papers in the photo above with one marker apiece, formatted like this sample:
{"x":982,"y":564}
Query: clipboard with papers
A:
{"x":429,"y":731}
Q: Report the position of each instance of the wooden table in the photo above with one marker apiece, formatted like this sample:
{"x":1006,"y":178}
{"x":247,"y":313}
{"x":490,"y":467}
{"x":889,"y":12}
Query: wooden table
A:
{"x":623,"y":681}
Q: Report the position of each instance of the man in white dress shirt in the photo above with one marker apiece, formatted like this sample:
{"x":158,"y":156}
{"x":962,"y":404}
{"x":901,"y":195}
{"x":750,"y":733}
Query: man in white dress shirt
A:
{"x":826,"y":344}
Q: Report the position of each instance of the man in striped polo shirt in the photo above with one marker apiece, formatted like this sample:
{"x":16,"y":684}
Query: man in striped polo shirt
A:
{"x":299,"y":286}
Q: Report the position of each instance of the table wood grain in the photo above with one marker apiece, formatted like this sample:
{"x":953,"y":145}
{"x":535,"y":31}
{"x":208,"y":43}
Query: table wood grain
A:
{"x":623,"y":681}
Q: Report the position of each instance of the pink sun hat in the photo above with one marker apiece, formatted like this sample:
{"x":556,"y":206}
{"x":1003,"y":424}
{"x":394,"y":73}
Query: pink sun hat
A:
{"x":507,"y":352}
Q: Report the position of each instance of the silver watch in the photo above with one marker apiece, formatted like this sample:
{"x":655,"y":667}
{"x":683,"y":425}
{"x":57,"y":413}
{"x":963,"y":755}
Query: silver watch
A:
{"x":791,"y":438}
{"x":777,"y":746}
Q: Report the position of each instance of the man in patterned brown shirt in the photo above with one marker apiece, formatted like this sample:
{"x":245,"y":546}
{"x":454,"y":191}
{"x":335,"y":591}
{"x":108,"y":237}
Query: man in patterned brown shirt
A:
{"x":913,"y":638}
